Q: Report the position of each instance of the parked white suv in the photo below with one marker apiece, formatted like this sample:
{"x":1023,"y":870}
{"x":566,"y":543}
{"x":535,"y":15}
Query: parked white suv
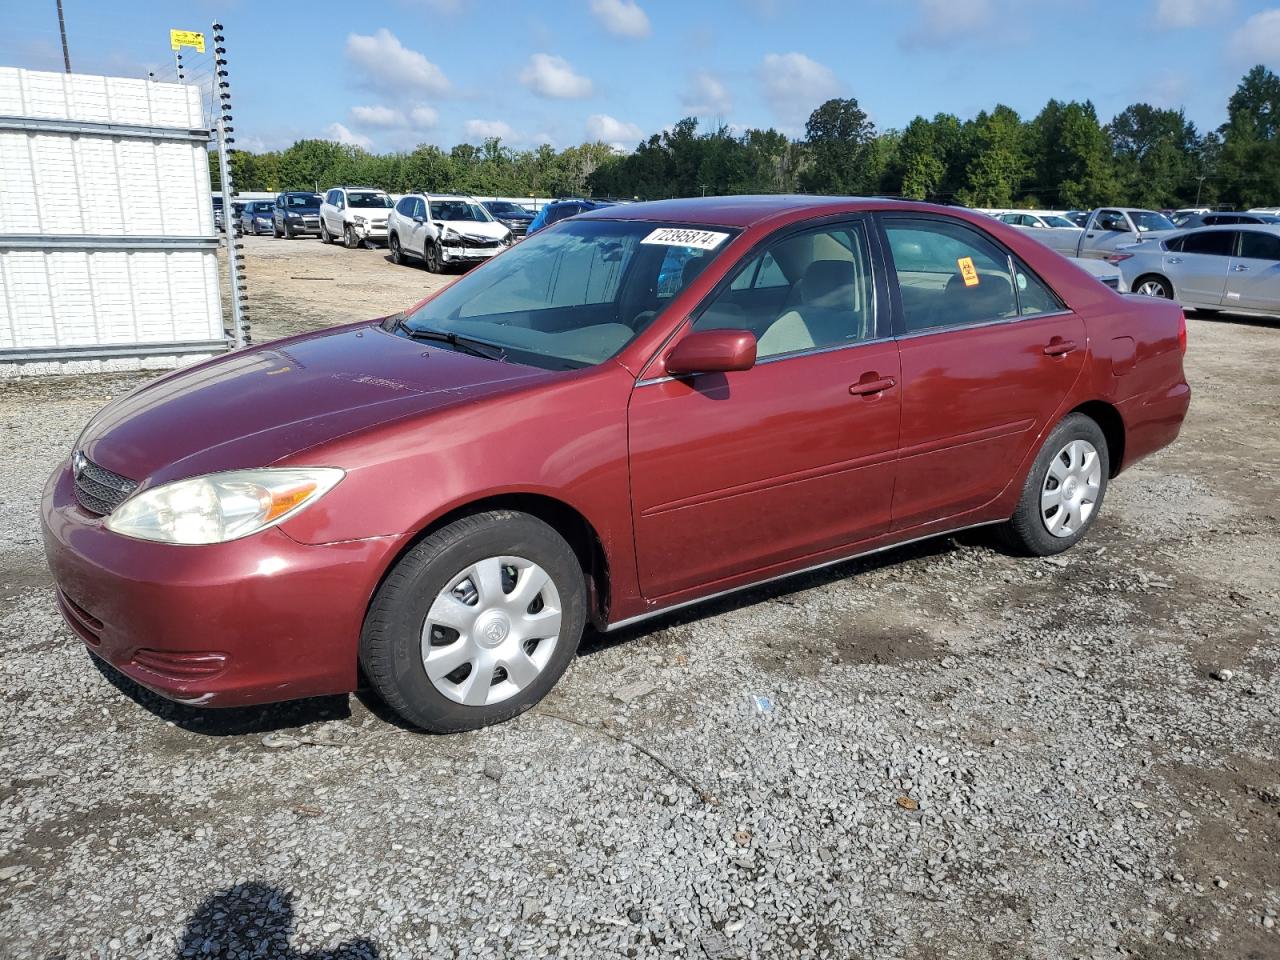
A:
{"x":354,"y":215}
{"x":444,"y":230}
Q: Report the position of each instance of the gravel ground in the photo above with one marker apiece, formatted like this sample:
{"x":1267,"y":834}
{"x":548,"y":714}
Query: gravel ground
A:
{"x":940,"y":752}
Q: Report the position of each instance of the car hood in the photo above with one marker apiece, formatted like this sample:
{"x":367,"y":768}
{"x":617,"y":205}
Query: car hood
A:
{"x":475,"y":228}
{"x":255,"y":407}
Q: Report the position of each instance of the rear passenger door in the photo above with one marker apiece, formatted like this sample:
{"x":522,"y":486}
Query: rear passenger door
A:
{"x":1253,"y":280}
{"x":988,"y":354}
{"x":1199,"y":264}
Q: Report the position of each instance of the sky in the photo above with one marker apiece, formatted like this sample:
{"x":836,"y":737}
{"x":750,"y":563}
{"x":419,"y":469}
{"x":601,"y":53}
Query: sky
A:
{"x":389,"y":74}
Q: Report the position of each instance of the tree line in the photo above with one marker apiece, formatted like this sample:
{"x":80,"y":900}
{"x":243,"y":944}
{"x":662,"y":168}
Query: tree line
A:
{"x":1064,"y":157}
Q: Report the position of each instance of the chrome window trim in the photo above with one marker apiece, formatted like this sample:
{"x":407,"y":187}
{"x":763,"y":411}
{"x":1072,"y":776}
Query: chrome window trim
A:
{"x":985,"y":323}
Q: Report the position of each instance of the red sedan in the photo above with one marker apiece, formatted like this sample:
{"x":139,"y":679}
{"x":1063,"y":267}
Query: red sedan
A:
{"x":632,"y":411}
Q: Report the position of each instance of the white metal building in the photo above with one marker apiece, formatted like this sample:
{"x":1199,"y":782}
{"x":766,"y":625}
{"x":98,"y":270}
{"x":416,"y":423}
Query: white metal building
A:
{"x":108,"y":256}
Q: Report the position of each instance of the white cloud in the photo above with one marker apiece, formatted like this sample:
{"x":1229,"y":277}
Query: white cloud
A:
{"x":388,"y":64}
{"x":424,"y":116}
{"x":1175,"y":14}
{"x":795,"y":85}
{"x":484,"y":129}
{"x":946,"y":23}
{"x":707,"y":96}
{"x":1258,"y":40}
{"x":336,"y":131}
{"x":554,"y":77}
{"x":377,"y":116}
{"x":617,"y":133}
{"x":622,"y":17}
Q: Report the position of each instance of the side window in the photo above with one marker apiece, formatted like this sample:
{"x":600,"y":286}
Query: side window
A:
{"x":949,"y":275}
{"x":341,"y":201}
{"x":806,"y":292}
{"x":1033,"y":296}
{"x":1216,"y":243}
{"x":1256,"y":245}
{"x":1111,"y":220}
{"x":405,"y":207}
{"x":419,"y":208}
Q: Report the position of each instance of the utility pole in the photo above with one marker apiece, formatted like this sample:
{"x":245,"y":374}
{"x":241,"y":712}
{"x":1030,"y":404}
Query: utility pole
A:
{"x":62,"y":29}
{"x":1199,"y":183}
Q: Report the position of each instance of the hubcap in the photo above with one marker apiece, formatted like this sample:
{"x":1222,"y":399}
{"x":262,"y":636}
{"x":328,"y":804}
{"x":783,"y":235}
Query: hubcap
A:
{"x":1071,"y":488}
{"x":491,"y":630}
{"x":1152,"y":288}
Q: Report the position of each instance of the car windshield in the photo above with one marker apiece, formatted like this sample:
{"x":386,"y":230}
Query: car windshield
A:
{"x":303,"y":199}
{"x":505,"y":206}
{"x":576,"y":295}
{"x":368,"y":200}
{"x":1148,"y":220}
{"x":459,"y":210}
{"x":1058,"y":222}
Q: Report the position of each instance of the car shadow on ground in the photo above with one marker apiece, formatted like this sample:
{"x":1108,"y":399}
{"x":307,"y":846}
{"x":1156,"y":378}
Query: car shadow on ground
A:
{"x":596,"y":642}
{"x":256,"y":920}
{"x":231,"y":721}
{"x":1238,"y":319}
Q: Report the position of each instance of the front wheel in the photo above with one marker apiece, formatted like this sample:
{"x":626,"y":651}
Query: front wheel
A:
{"x":1153,"y":286}
{"x":476,"y":623}
{"x":1063,"y":491}
{"x":397,"y":255}
{"x":349,"y":238}
{"x":432,"y":257}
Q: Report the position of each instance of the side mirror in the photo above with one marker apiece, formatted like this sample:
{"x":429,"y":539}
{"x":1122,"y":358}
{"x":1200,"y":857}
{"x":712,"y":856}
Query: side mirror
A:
{"x":419,"y":219}
{"x":713,"y":351}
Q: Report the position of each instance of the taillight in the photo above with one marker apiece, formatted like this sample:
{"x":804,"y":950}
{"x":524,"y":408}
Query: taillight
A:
{"x":1118,"y":257}
{"x":1182,"y":331}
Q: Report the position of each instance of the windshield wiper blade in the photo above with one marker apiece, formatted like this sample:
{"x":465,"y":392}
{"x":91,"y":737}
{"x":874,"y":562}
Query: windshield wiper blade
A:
{"x":477,"y":348}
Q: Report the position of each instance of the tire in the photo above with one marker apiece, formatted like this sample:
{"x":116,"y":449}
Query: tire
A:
{"x":1153,"y":285}
{"x":276,"y":232}
{"x":1054,"y":514}
{"x":325,"y":236}
{"x":431,"y":257}
{"x":427,"y":580}
{"x":288,"y":232}
{"x":393,"y":245}
{"x":349,"y":238}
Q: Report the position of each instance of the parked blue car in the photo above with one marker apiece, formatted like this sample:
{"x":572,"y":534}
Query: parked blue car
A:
{"x":558,"y":210}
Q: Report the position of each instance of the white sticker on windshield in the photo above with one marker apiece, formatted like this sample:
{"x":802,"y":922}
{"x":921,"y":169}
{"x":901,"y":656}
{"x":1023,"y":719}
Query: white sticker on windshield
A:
{"x":681,"y":237}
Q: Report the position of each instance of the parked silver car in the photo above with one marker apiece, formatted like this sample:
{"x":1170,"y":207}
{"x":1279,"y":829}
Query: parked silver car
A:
{"x":1212,"y":268}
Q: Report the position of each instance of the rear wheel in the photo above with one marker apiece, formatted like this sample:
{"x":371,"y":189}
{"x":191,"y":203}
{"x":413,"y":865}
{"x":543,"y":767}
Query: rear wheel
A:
{"x":476,"y":623}
{"x":1063,"y":491}
{"x":1153,"y":286}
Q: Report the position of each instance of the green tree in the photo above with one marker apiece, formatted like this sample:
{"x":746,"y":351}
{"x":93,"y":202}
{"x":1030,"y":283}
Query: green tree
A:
{"x":1156,"y":155}
{"x":996,"y":145}
{"x":1249,"y":163}
{"x":839,"y":139}
{"x":1071,"y":156}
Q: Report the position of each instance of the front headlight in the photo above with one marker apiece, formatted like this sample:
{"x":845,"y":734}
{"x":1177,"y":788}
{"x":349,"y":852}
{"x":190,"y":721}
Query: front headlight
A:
{"x":452,"y":234}
{"x":359,"y":219}
{"x":506,"y":239}
{"x":221,"y":506}
{"x":295,"y":216}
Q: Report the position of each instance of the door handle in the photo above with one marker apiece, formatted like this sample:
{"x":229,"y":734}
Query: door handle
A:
{"x":1057,"y":347}
{"x":866,"y":388}
{"x":1240,"y":267}
{"x":1174,"y":260}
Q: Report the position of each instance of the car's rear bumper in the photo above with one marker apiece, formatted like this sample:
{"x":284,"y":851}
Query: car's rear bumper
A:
{"x":1153,"y":420}
{"x":256,"y":620}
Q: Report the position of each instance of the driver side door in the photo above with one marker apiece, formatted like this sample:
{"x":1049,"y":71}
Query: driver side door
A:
{"x":746,"y":472}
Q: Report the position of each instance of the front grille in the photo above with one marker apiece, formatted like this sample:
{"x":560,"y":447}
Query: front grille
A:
{"x":98,"y":490}
{"x":518,"y":228}
{"x":481,"y":243}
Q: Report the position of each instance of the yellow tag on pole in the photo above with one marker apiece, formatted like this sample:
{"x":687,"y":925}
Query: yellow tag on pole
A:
{"x":968,"y":271}
{"x":186,"y":38}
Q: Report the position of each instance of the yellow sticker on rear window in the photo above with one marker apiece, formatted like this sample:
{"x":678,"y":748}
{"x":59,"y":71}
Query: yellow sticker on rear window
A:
{"x":968,"y":271}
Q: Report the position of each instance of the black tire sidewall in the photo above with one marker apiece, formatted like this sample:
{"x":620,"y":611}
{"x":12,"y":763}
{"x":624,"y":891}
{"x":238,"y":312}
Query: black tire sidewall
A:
{"x":397,"y":255}
{"x":433,"y":257}
{"x":1027,"y":531}
{"x":391,"y":642}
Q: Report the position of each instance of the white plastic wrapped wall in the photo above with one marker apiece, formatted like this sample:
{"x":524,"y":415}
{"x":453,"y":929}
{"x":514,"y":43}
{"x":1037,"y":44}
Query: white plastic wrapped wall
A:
{"x":91,"y":185}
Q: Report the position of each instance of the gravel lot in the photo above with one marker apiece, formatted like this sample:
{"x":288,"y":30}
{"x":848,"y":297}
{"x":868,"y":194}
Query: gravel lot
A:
{"x":939,"y":752}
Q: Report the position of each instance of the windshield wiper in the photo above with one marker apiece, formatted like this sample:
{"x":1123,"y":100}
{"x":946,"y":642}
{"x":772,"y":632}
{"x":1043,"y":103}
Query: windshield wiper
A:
{"x":477,"y":348}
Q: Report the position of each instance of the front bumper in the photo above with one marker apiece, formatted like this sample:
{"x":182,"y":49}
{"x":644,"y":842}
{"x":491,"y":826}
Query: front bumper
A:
{"x":309,"y":227}
{"x":256,"y":620}
{"x":457,"y":253}
{"x":370,"y":231}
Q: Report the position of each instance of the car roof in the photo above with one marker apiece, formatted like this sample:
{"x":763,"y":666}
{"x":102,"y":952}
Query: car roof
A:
{"x":747,"y":211}
{"x":1271,"y":228}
